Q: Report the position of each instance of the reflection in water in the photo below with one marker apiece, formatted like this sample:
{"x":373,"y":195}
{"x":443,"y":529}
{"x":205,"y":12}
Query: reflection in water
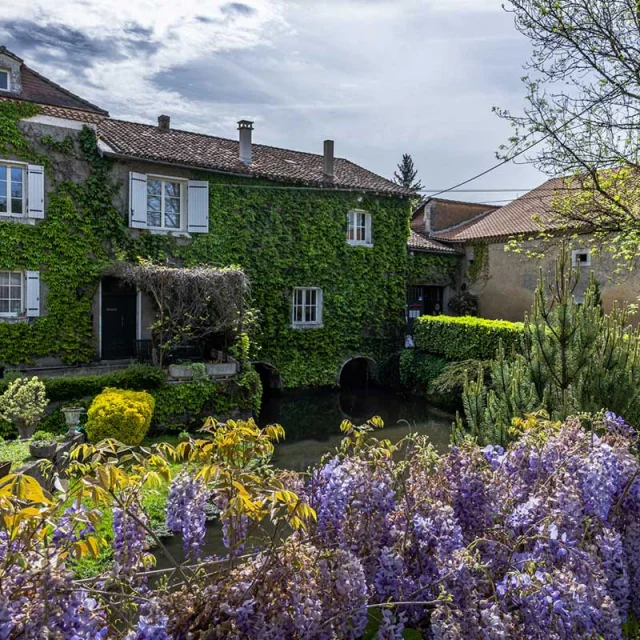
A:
{"x":311,"y":420}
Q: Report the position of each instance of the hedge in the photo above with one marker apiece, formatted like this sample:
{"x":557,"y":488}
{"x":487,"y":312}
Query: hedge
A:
{"x":465,"y":337}
{"x":136,"y":377}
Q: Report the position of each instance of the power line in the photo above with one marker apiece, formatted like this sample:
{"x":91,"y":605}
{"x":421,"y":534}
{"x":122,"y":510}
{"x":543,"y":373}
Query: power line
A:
{"x":527,"y":148}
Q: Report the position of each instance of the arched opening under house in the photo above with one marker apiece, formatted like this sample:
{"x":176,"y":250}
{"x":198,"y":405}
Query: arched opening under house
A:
{"x":357,"y":373}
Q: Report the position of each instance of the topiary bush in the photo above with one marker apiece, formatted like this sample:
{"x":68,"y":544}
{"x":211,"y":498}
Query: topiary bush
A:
{"x":464,"y":338}
{"x":23,"y":404}
{"x":120,"y":414}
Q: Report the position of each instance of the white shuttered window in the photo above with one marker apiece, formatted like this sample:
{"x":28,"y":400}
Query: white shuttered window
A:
{"x":168,"y":204}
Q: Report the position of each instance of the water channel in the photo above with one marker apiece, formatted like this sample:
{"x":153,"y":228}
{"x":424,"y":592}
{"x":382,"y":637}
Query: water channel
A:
{"x":312,"y":419}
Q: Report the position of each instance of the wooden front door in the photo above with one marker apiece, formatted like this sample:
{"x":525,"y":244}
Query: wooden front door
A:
{"x":118,"y":320}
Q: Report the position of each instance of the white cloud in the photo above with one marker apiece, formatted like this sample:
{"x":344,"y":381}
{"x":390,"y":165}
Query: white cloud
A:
{"x":382,"y":77}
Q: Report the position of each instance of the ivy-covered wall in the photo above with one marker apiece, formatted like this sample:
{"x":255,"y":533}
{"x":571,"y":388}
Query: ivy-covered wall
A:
{"x":282,"y":237}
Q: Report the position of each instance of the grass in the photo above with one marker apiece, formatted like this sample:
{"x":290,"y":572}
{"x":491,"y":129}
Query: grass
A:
{"x":16,"y":452}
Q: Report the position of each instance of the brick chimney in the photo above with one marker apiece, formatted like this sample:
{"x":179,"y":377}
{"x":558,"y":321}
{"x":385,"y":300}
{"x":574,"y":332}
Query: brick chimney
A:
{"x":245,"y":127}
{"x":164,"y":123}
{"x":328,"y":159}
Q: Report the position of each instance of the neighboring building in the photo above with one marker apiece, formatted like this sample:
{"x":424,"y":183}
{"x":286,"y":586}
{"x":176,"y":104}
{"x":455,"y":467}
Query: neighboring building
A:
{"x":322,"y":239}
{"x":504,"y":281}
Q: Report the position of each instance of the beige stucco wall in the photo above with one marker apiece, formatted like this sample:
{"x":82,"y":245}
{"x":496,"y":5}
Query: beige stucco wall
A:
{"x":506,"y":292}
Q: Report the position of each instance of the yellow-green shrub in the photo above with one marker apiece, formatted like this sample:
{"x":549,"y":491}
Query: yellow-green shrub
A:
{"x":120,"y":414}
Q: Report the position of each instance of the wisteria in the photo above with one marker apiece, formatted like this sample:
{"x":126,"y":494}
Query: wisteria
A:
{"x":538,"y":541}
{"x":186,"y":512}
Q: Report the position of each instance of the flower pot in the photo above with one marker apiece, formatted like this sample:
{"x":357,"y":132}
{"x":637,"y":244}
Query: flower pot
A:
{"x":222,"y":369}
{"x":180,"y":371}
{"x":26,"y":431}
{"x":5,"y":468}
{"x":43,"y":450}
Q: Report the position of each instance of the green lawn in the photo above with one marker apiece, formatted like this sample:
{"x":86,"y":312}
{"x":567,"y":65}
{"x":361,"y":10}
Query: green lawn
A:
{"x":15,"y":451}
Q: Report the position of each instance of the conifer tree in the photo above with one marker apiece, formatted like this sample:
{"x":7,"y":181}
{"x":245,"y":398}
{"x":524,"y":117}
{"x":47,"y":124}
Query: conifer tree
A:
{"x":406,"y":174}
{"x":573,"y":358}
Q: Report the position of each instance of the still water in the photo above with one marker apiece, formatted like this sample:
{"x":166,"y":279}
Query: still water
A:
{"x":311,"y":420}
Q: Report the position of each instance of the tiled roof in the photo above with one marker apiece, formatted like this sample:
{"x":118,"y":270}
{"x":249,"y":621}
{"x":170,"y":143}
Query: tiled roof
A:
{"x":36,"y":88}
{"x":68,"y":114}
{"x":421,"y":242}
{"x":148,"y":142}
{"x":530,"y":213}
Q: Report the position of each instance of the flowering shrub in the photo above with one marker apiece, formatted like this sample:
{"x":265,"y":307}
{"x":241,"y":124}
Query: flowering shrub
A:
{"x":122,"y":415}
{"x":541,"y":540}
{"x":23,"y":403}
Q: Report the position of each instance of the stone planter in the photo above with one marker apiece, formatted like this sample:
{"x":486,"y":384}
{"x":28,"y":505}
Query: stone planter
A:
{"x":5,"y":468}
{"x":43,"y":449}
{"x":222,"y":369}
{"x":180,"y":371}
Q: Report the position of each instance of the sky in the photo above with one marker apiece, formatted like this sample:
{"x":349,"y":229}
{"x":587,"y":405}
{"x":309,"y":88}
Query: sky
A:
{"x":380,"y":77}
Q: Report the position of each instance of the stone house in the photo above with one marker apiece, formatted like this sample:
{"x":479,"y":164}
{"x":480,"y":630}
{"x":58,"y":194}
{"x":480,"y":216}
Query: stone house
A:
{"x":322,"y":239}
{"x":503,"y":280}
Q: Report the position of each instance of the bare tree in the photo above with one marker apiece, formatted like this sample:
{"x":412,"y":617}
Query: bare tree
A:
{"x":582,"y":112}
{"x":190,"y":304}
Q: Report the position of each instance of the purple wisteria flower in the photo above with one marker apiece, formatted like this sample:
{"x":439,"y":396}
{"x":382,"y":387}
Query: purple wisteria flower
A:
{"x":186,"y":512}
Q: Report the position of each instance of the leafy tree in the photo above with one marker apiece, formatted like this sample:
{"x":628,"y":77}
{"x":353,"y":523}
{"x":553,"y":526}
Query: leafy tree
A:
{"x":583,"y":103}
{"x":573,"y":358}
{"x":406,"y":174}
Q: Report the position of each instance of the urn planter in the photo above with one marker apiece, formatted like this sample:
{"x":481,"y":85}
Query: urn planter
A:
{"x":43,"y":449}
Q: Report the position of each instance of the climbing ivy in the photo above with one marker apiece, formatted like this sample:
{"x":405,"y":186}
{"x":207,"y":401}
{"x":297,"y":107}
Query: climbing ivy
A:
{"x":71,"y":247}
{"x":479,"y":268}
{"x":433,"y":269}
{"x":283,"y":238}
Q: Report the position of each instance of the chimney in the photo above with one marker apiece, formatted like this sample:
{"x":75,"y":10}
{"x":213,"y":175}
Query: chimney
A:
{"x":328,"y":159}
{"x":245,"y":127}
{"x":164,"y":123}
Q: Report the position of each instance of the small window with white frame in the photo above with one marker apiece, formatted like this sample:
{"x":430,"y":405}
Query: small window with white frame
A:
{"x":11,"y":293}
{"x":307,"y":307}
{"x":581,"y":257}
{"x":359,"y":228}
{"x":12,"y":190}
{"x":5,"y":80}
{"x":165,"y":203}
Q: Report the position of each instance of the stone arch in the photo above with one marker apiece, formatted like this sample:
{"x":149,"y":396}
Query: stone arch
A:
{"x":269,"y":376}
{"x":357,"y":372}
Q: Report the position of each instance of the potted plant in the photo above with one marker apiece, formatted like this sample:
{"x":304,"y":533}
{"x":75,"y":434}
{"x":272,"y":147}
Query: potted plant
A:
{"x":188,"y":371}
{"x":43,"y":445}
{"x":184,"y":436}
{"x":23,"y":404}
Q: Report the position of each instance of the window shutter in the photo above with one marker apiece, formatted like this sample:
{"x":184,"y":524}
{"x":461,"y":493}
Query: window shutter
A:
{"x":367,"y":229}
{"x":35,"y":191}
{"x":32,"y":297}
{"x":198,"y":206}
{"x":137,"y":200}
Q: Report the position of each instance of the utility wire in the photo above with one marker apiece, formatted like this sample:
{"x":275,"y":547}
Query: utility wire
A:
{"x":527,"y":148}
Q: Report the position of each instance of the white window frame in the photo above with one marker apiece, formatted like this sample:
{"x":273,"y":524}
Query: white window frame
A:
{"x":16,"y":314}
{"x":23,"y":167}
{"x":574,"y":257}
{"x":304,"y":323}
{"x":183,"y":202}
{"x":351,"y":225}
{"x":8,"y":74}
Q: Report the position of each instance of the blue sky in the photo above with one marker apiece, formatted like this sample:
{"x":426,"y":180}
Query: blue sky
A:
{"x":380,"y":77}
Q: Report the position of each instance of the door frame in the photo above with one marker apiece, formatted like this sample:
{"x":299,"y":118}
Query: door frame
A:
{"x":138,"y":316}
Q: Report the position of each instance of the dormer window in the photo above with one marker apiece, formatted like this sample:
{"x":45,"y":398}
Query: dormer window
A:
{"x":5,"y":80}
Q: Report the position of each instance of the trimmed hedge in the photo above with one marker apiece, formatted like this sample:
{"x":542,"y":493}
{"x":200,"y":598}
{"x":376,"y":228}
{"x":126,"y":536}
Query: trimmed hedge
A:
{"x":136,"y":377}
{"x":120,"y":414}
{"x":465,"y":337}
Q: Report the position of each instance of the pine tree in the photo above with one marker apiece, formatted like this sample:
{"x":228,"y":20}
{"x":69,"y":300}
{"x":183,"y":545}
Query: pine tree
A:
{"x":573,"y":358}
{"x":406,"y":174}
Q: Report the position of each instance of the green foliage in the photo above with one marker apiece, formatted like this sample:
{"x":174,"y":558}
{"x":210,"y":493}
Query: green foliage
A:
{"x":16,"y":452}
{"x":137,"y":377}
{"x":42,"y":436}
{"x":574,"y":359}
{"x":466,"y":337}
{"x":120,"y":414}
{"x":479,"y":268}
{"x":432,"y":269}
{"x":71,"y":247}
{"x":23,"y":404}
{"x":418,"y":370}
{"x":290,"y":238}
